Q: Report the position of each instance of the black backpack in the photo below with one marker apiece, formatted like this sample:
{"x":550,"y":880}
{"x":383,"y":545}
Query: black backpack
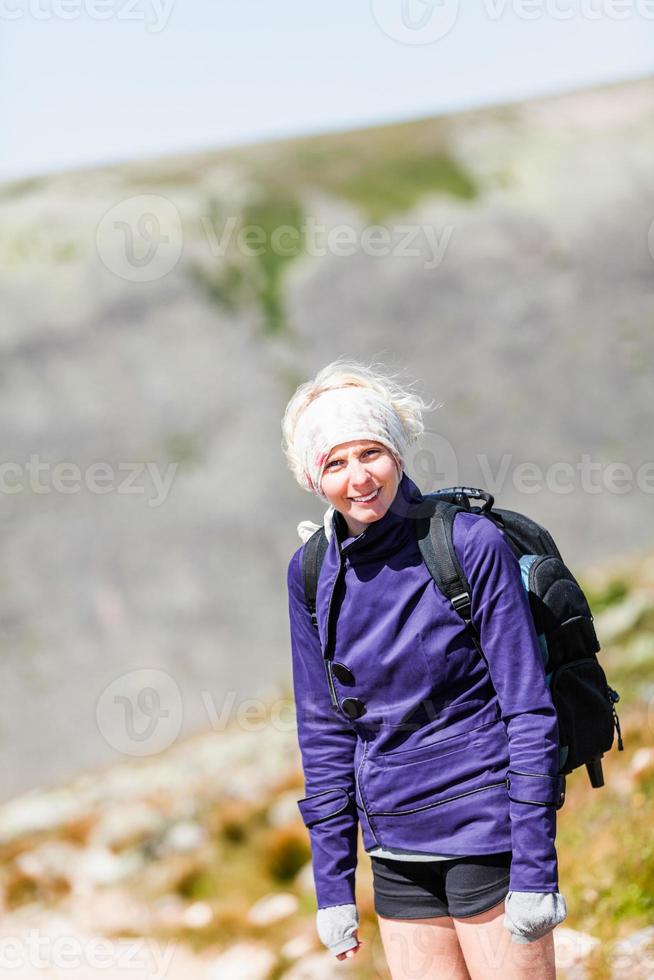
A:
{"x":584,"y":702}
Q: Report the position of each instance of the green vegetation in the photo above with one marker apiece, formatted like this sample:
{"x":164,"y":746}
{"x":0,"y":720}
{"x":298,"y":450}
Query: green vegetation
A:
{"x":267,"y":237}
{"x":184,"y":448}
{"x":395,"y":184}
{"x":383,"y":172}
{"x":279,"y":220}
{"x":606,"y":855}
{"x":18,"y":188}
{"x":613,"y":592}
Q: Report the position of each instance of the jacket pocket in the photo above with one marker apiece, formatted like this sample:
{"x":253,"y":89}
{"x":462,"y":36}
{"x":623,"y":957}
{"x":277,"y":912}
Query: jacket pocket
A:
{"x":437,"y":773}
{"x":453,"y":734}
{"x":449,"y":725}
{"x":321,"y":806}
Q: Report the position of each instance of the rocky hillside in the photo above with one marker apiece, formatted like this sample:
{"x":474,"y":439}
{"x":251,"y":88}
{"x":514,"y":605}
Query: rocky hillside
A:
{"x":157,"y":316}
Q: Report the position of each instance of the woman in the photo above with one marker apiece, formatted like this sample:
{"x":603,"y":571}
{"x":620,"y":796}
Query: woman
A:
{"x":447,"y":756}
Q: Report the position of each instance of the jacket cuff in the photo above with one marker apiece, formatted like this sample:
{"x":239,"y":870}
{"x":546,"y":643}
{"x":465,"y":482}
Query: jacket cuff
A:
{"x":535,"y":788}
{"x":331,"y":817}
{"x":534,"y":865}
{"x":321,"y":806}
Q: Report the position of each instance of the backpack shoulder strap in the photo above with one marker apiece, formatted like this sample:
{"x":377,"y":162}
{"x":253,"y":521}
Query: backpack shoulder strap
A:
{"x":435,"y":540}
{"x":313,"y":553}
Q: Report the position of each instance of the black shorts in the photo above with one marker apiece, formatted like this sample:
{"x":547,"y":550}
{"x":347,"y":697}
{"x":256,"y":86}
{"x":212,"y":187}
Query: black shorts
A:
{"x":457,"y":887}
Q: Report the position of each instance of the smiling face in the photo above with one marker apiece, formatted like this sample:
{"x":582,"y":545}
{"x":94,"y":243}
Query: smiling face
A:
{"x":355,"y":470}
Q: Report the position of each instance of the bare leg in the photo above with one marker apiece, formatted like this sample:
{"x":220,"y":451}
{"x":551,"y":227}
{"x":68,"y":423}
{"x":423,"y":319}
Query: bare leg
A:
{"x":422,"y":949}
{"x":491,"y":954}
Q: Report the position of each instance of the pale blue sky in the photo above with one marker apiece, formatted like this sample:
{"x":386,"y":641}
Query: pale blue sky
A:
{"x":159,"y":76}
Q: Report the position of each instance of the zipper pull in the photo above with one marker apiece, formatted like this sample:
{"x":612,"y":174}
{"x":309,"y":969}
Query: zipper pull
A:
{"x":616,"y":722}
{"x":330,"y":682}
{"x":614,"y":697}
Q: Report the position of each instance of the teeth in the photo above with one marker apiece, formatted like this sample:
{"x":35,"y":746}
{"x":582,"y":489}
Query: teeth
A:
{"x":362,"y":500}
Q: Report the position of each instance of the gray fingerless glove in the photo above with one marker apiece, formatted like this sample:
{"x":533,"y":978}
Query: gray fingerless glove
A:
{"x":336,"y":926}
{"x":530,"y":915}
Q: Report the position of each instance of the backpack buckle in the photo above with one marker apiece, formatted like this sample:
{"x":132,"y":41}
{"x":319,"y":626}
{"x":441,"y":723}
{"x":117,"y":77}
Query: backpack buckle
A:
{"x":462,"y":604}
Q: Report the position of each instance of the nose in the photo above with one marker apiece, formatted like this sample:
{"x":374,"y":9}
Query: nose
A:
{"x":359,"y":476}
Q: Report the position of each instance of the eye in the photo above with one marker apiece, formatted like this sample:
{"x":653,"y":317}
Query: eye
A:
{"x":370,"y":451}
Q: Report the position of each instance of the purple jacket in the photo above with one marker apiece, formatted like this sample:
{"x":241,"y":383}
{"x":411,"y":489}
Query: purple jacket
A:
{"x":455,"y":753}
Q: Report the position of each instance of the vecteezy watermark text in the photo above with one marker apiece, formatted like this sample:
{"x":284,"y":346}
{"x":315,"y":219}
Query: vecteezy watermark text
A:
{"x":140,"y":713}
{"x":155,"y":14}
{"x":435,"y":464}
{"x":427,"y":21}
{"x":319,"y":240}
{"x":43,"y":477}
{"x":141,"y":239}
{"x":37,"y":950}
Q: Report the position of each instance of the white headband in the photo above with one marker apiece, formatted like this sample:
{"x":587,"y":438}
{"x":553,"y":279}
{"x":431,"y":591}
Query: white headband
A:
{"x":341,"y":415}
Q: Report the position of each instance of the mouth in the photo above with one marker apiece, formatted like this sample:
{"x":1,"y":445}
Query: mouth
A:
{"x":366,"y":500}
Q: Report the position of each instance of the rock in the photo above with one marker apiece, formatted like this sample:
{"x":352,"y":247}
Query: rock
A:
{"x":304,"y":879}
{"x":284,"y":810}
{"x":83,"y":868}
{"x":125,"y":824}
{"x":198,"y":915}
{"x":168,"y":911}
{"x":642,"y":764}
{"x":244,"y":783}
{"x":318,"y":966}
{"x":272,"y":908}
{"x":244,"y":961}
{"x":632,"y":958}
{"x":572,"y":950}
{"x":49,"y":861}
{"x":109,"y":911}
{"x":182,"y":837}
{"x":100,"y":866}
{"x":298,"y":946}
{"x":36,"y":811}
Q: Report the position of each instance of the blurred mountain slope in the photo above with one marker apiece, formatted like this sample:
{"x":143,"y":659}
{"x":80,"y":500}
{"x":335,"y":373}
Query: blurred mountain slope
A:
{"x":499,"y":256}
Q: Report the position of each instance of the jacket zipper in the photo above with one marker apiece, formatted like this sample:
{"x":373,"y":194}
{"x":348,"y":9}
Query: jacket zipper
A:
{"x":326,"y":659}
{"x":361,"y":797}
{"x":330,"y":681}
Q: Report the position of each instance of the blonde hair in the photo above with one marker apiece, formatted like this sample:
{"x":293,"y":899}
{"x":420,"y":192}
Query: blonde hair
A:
{"x":344,"y":373}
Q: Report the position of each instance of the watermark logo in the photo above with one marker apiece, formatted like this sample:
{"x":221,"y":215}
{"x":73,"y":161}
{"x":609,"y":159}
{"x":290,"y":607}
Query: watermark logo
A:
{"x":140,"y":713}
{"x":415,"y":21}
{"x":140,"y":239}
{"x":434,"y":464}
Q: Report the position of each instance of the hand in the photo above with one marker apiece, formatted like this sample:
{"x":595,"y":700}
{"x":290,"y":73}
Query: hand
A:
{"x":338,"y":929}
{"x":353,"y":951}
{"x":531,"y":915}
